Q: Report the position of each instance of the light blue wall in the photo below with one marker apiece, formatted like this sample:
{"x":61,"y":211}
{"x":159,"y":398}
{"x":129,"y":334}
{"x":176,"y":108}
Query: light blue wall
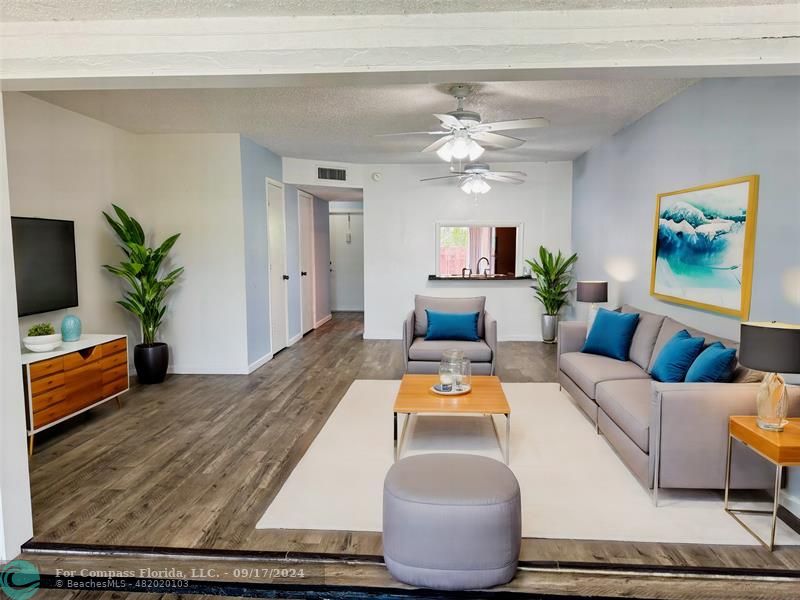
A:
{"x":293,"y":258}
{"x":715,"y":130}
{"x":258,"y":163}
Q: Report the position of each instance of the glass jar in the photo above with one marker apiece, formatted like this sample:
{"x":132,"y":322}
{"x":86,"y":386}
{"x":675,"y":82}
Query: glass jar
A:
{"x":450,"y":370}
{"x":464,"y":378}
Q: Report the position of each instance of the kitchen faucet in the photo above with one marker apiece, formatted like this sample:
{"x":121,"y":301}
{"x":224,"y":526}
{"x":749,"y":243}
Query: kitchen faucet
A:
{"x":478,"y":266}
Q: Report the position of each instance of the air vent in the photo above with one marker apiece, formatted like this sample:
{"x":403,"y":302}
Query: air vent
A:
{"x":331,"y":174}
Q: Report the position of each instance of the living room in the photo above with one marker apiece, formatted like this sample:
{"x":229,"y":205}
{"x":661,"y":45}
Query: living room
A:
{"x":292,"y":403}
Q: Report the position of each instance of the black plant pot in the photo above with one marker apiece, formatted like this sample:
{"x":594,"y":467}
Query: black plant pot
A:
{"x":151,"y":362}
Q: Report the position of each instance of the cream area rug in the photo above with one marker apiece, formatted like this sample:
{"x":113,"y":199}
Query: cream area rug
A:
{"x":573,"y":484}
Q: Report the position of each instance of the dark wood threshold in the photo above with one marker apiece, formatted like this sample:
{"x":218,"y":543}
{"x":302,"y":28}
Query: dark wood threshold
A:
{"x":93,"y":550}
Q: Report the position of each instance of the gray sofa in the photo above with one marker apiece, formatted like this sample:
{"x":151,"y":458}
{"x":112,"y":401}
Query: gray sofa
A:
{"x":423,"y":356}
{"x":670,"y":435}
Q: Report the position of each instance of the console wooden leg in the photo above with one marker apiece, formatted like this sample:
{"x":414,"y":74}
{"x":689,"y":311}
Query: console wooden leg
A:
{"x":30,"y":445}
{"x":119,"y":402}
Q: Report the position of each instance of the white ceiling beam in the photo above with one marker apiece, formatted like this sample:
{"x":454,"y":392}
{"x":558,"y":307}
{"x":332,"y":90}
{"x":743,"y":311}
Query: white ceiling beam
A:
{"x":555,"y":43}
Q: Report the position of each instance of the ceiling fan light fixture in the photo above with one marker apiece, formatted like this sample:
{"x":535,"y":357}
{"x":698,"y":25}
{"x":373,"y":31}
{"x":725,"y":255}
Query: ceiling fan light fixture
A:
{"x":475,"y":150}
{"x":445,"y":152}
{"x":475,"y":184}
{"x":460,"y":147}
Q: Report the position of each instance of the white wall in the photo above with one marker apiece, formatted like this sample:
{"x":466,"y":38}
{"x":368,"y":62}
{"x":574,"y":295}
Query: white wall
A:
{"x":63,"y":165}
{"x":206,"y":324}
{"x":302,"y":171}
{"x":400,"y":215}
{"x":347,"y":278}
{"x":16,"y":525}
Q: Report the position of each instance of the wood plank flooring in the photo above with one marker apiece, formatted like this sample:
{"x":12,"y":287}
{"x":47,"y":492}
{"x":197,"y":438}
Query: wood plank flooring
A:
{"x":194,"y":463}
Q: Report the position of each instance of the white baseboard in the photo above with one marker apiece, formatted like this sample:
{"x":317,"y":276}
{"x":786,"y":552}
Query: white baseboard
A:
{"x":294,"y":340}
{"x":258,"y":363}
{"x":322,"y":321}
{"x":204,"y":370}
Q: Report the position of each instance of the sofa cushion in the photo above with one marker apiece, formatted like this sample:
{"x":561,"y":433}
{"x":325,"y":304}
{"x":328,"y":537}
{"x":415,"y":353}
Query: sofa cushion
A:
{"x":431,"y":350}
{"x":644,"y":338}
{"x":452,"y":305}
{"x":611,"y":334}
{"x":627,"y":403}
{"x":675,"y":358}
{"x":452,"y":326}
{"x":587,"y":370}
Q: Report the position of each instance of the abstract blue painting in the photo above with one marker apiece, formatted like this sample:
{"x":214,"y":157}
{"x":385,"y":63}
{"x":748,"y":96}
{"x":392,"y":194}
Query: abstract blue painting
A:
{"x":703,"y":246}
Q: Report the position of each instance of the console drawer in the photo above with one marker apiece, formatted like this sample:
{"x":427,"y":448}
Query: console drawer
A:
{"x":46,"y":367}
{"x":75,"y":360}
{"x":115,"y":346}
{"x":117,"y":372}
{"x":47,"y":399}
{"x":46,"y":383}
{"x":115,"y":387}
{"x":109,"y":362}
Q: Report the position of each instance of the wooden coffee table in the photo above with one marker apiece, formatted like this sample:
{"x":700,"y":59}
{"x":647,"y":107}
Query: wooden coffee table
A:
{"x":486,"y":398}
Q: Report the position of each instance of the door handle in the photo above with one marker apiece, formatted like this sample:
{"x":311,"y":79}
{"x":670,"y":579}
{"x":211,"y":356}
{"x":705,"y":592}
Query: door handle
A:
{"x":303,"y":273}
{"x":286,"y":277}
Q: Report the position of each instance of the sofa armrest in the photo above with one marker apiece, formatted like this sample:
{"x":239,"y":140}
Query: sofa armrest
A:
{"x":689,"y":433}
{"x":490,"y":335}
{"x":571,"y":337}
{"x":408,"y":335}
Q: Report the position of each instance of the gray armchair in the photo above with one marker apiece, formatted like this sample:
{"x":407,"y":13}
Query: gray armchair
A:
{"x":423,"y":356}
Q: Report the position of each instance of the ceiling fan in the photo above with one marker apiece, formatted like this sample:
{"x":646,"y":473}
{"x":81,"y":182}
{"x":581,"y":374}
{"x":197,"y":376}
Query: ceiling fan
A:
{"x":464,"y":135}
{"x":475,"y":177}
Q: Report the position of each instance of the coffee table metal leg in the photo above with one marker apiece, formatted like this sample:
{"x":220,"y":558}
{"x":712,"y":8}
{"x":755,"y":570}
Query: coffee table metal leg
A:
{"x":508,"y":438}
{"x":395,"y":437}
{"x":775,"y":502}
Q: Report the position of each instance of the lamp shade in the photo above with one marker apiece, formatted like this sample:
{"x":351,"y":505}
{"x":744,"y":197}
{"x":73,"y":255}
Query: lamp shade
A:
{"x":772,"y":347}
{"x":593,"y":291}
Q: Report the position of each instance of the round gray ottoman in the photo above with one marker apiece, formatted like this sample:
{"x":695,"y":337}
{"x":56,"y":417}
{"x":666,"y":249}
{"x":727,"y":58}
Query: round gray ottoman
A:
{"x":451,"y":521}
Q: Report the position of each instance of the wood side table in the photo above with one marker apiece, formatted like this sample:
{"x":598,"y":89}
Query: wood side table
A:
{"x":781,"y":448}
{"x":485,"y":398}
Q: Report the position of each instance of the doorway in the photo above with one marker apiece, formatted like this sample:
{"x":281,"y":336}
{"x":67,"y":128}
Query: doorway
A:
{"x":278,"y":271}
{"x":347,"y":256}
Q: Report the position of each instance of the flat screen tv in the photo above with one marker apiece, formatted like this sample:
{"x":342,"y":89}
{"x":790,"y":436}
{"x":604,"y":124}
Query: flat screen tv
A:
{"x":44,"y":263}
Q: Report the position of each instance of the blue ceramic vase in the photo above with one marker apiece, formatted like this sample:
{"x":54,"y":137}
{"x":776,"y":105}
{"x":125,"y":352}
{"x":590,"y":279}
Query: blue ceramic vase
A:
{"x":71,"y":329}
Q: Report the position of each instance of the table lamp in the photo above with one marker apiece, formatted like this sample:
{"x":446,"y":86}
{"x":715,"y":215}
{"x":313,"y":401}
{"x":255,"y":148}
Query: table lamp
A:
{"x":594,"y":292}
{"x":775,"y":348}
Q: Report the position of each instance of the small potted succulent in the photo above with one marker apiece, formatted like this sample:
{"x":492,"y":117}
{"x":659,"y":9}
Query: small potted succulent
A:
{"x":42,"y":337}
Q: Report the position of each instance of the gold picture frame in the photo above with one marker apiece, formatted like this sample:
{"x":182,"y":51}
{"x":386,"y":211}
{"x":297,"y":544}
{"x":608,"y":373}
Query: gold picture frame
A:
{"x":703,"y":246}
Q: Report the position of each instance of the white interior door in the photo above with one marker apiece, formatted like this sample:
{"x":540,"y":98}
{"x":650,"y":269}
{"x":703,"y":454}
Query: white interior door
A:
{"x":306,"y":224}
{"x":347,"y":260}
{"x":278,"y":272}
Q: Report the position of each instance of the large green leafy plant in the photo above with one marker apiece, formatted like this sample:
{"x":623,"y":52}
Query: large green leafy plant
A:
{"x":553,"y":275}
{"x":141,"y":268}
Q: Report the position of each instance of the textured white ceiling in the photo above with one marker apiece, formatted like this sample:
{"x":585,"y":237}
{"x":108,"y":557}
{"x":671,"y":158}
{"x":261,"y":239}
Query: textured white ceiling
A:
{"x":342,"y":123}
{"x":66,"y":10}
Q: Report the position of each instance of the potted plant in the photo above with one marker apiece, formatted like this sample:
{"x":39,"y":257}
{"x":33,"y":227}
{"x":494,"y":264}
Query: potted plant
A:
{"x":553,"y":275}
{"x":146,"y":298}
{"x":42,"y":337}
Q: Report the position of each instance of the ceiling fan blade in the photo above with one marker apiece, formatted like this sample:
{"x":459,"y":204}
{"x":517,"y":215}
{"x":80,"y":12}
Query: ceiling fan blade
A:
{"x":531,"y":123}
{"x":510,"y":173}
{"x":413,"y":133}
{"x":449,"y":121}
{"x":496,"y":139}
{"x":437,"y":144}
{"x":442,"y":177}
{"x":503,"y":178}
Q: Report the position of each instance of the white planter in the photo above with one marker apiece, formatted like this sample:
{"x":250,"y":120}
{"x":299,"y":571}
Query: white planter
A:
{"x":42,"y":343}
